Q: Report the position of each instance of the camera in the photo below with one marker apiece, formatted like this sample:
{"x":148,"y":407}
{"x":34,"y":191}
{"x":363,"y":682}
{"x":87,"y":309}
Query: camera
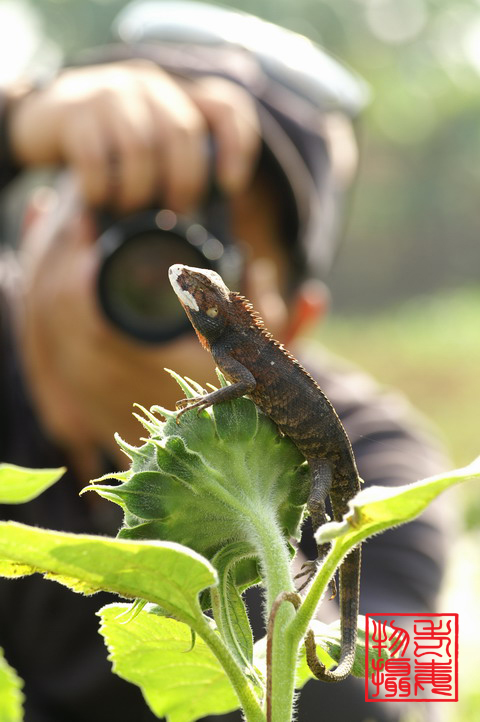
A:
{"x":136,"y":252}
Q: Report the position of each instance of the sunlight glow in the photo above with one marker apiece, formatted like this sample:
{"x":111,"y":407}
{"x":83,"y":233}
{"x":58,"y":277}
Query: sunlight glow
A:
{"x":20,"y":34}
{"x":396,"y":22}
{"x":471,"y":45}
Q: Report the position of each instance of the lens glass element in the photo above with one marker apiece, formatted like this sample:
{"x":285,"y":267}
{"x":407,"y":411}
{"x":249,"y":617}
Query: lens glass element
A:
{"x":134,"y":287}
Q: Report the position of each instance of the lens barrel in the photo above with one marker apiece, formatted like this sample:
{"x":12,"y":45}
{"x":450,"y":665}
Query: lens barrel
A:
{"x":136,"y":252}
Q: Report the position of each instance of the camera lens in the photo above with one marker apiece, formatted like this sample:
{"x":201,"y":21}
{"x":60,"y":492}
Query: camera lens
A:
{"x":133,"y":282}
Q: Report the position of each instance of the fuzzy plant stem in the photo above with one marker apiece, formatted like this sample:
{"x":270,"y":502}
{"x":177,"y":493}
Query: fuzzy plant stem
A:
{"x":250,"y":705}
{"x":272,"y":550}
{"x":299,"y":625}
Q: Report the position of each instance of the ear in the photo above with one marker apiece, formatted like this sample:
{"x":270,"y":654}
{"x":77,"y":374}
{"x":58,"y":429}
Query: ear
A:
{"x":309,"y":307}
{"x":262,"y":289}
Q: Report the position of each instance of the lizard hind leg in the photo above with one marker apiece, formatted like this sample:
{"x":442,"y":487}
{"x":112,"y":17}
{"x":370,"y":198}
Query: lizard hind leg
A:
{"x":321,"y":481}
{"x":322,"y":477}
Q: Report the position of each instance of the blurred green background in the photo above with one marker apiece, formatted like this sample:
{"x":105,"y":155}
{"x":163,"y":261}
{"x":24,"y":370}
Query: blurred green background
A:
{"x":405,"y":287}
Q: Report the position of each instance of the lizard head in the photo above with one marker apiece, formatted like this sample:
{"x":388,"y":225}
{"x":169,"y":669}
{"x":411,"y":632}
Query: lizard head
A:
{"x":205,"y":299}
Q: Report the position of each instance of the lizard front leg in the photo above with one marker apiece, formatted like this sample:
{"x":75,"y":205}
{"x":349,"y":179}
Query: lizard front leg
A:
{"x":243,"y":382}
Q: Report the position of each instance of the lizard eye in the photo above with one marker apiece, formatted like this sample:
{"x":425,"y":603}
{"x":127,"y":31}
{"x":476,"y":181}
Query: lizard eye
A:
{"x":212,"y":312}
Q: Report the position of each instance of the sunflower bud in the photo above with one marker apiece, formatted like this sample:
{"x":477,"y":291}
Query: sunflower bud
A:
{"x":203,"y":482}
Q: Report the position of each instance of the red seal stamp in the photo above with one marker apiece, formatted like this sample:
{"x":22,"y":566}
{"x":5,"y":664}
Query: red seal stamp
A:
{"x":422,"y":664}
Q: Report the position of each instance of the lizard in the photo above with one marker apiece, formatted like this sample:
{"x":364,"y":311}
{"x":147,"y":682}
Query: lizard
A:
{"x":261,"y":368}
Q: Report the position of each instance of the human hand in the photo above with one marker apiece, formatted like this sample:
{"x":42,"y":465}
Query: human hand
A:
{"x":134,"y":135}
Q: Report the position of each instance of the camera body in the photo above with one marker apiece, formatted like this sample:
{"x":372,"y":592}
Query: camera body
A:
{"x":135,"y":254}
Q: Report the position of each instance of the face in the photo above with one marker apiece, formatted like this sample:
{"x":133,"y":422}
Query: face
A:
{"x":83,"y":373}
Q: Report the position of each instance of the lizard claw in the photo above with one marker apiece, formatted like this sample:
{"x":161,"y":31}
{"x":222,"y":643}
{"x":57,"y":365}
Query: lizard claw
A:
{"x":308,"y":570}
{"x":185,"y":404}
{"x":195,"y":402}
{"x":332,"y":585}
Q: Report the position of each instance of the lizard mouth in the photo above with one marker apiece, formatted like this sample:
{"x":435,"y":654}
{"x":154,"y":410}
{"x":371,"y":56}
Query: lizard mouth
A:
{"x":179,"y":281}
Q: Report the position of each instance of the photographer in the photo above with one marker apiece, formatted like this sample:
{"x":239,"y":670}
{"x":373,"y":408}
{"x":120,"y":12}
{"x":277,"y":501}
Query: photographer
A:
{"x":135,"y":133}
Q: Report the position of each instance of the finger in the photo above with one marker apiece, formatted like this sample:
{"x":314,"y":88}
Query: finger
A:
{"x":230,"y":112}
{"x":181,"y":142}
{"x":85,"y":148}
{"x":186,"y":167}
{"x":131,"y":147}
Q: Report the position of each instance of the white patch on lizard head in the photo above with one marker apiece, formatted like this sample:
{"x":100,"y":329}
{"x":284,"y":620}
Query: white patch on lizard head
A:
{"x":184,"y":296}
{"x":214,"y":278}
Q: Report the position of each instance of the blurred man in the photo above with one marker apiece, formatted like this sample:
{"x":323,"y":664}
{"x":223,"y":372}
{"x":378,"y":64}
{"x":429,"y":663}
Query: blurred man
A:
{"x":136,"y":132}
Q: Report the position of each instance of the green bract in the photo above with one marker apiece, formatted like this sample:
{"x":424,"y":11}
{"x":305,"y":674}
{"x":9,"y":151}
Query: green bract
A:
{"x":11,"y":697}
{"x":207,"y":481}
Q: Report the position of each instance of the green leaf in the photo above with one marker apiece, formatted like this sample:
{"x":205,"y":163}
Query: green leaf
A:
{"x":236,"y":420}
{"x":162,"y":572}
{"x":238,"y":618}
{"x":230,"y":612}
{"x":178,"y":682}
{"x":11,"y":697}
{"x":18,"y":485}
{"x":377,"y":508}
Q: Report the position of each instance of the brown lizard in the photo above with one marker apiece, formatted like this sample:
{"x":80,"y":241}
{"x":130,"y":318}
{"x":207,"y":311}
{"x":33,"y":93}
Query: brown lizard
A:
{"x":262,"y":369}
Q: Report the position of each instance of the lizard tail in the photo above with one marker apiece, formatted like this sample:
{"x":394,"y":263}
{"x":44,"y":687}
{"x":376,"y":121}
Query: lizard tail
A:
{"x":349,"y":594}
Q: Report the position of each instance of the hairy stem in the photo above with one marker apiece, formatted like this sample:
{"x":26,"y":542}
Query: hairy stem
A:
{"x":299,"y":625}
{"x":250,"y":705}
{"x":272,"y":549}
{"x":294,"y":599}
{"x":268,"y":540}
